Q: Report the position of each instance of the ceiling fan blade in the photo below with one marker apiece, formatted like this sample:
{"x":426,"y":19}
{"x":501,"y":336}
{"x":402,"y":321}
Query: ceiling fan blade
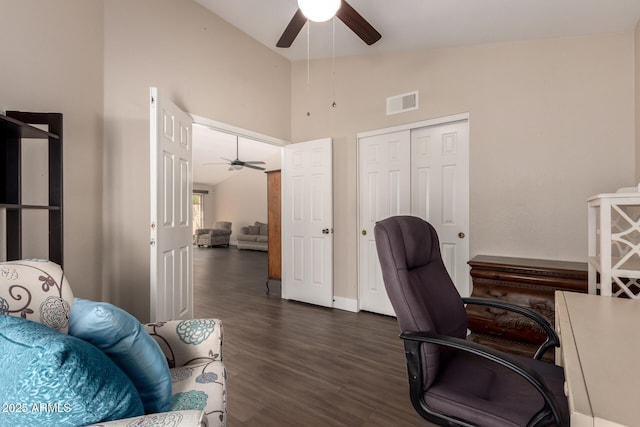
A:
{"x":227,"y":160}
{"x":253,"y":167}
{"x":291,"y":32}
{"x":358,"y":24}
{"x":255,"y":162}
{"x":209,"y":164}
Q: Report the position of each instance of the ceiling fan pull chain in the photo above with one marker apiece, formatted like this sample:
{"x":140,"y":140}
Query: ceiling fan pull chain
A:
{"x":333,"y":63}
{"x":308,"y":68}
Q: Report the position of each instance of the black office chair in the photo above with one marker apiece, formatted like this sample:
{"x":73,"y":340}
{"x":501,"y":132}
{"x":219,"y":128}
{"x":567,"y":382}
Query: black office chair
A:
{"x":454,"y":381}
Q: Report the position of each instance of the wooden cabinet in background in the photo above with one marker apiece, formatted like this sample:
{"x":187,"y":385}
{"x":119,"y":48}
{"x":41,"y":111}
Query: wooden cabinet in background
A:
{"x":529,"y":283}
{"x":275,"y":226}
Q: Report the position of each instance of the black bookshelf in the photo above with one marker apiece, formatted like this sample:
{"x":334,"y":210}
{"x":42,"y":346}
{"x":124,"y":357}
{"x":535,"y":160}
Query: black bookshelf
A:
{"x":15,"y":126}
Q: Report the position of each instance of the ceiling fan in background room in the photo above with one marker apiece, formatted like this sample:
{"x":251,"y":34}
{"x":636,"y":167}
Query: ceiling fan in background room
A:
{"x":323,"y":10}
{"x":238,"y":164}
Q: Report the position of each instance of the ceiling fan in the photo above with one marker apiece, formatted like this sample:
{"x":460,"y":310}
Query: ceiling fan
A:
{"x":345,"y":12}
{"x":238,"y":164}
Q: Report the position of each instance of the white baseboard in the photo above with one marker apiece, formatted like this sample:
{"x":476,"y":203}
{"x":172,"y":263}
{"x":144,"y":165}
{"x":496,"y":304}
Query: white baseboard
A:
{"x":346,"y":304}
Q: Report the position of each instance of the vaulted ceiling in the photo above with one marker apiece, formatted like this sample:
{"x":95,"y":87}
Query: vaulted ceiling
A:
{"x":426,"y":24}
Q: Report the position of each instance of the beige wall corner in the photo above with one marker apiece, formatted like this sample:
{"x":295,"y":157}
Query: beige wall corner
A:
{"x":53,"y":62}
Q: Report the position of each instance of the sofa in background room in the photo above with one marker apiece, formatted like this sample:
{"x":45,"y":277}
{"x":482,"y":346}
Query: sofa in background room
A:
{"x":254,"y":237}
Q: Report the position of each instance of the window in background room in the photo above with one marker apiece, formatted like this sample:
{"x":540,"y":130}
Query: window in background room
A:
{"x":198,"y":211}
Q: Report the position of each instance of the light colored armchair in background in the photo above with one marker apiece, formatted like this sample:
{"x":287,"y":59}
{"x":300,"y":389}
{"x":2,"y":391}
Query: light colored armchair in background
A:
{"x":219,"y":234}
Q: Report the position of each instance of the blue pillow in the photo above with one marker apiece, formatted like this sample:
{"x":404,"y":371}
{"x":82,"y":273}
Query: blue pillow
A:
{"x":49,"y":378}
{"x":125,"y":341}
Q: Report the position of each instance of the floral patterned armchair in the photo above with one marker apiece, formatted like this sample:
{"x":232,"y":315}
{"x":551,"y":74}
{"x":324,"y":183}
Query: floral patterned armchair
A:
{"x":39,"y":291}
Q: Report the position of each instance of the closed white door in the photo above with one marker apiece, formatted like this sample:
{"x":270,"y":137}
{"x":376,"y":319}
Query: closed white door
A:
{"x":421,"y":171}
{"x":307,"y":222}
{"x":171,"y":235}
{"x":440,"y":192}
{"x":384,"y":190}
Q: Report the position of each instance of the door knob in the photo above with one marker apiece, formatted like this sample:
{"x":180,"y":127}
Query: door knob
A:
{"x":325,"y":231}
{"x":364,"y":232}
{"x":461,"y":235}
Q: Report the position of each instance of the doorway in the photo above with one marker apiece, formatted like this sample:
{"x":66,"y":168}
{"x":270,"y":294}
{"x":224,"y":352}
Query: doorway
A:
{"x":232,"y":192}
{"x":229,"y":190}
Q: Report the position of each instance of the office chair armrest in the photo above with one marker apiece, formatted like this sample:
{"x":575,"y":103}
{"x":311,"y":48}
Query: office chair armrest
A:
{"x":412,"y":341}
{"x":552,"y":337}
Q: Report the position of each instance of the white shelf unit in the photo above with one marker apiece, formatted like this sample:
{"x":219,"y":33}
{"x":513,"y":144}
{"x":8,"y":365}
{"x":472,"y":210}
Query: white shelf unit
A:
{"x":614,"y":244}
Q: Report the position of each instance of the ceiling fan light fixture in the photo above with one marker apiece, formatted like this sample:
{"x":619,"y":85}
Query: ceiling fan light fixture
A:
{"x":319,"y":10}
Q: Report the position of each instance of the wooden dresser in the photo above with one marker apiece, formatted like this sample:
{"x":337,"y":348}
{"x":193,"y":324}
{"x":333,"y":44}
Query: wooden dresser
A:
{"x":274,"y":220}
{"x":526,"y":282}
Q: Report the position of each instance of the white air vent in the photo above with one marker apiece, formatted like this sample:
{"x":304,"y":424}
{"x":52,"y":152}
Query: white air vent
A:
{"x":402,"y":103}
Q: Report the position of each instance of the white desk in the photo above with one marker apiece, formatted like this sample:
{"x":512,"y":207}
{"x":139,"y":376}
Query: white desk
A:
{"x":600,"y":353}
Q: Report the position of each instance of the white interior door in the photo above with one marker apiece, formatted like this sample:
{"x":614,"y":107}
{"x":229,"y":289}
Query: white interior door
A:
{"x":384,"y":190}
{"x":421,"y":170}
{"x":440,"y":192}
{"x":171,"y":235}
{"x":307,"y":222}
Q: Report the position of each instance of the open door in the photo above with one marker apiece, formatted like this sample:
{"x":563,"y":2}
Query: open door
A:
{"x":171,"y":235}
{"x":307,"y":222}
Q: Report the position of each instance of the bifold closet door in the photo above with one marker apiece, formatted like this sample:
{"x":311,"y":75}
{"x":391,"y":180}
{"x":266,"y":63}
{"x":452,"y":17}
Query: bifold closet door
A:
{"x":440,"y":192}
{"x":423,"y":172}
{"x":384,"y":191}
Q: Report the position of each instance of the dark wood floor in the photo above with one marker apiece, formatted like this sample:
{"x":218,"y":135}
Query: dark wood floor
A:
{"x":298,"y":365}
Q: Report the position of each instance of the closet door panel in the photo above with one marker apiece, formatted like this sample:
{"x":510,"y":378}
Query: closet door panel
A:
{"x":384,"y":191}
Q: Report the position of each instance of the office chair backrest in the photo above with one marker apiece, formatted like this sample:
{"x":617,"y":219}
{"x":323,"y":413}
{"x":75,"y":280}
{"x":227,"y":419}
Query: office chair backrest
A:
{"x":419,"y":287}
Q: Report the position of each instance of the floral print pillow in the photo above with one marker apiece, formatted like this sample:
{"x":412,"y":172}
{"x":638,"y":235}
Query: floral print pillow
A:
{"x":36,"y":290}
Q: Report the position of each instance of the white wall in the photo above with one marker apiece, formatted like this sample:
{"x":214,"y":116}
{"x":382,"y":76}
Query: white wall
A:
{"x":551,"y":123}
{"x":52,"y":61}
